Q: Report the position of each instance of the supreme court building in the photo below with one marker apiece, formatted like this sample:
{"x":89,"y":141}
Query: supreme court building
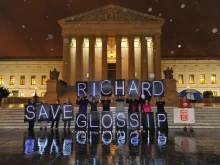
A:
{"x":111,"y":43}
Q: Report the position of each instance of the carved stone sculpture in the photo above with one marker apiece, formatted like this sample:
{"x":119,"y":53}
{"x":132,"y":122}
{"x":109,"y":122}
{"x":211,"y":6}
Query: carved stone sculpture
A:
{"x":54,"y":75}
{"x":168,"y":73}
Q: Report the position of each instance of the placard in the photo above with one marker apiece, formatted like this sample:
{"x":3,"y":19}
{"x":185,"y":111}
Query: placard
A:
{"x":29,"y":113}
{"x":148,"y":120}
{"x":43,"y":112}
{"x":94,"y":89}
{"x":67,"y":112}
{"x":81,"y":121}
{"x":93,"y":121}
{"x":55,"y":111}
{"x":106,"y":121}
{"x":120,"y":87}
{"x":134,"y":121}
{"x":133,"y":87}
{"x":81,"y":88}
{"x":184,"y":115}
{"x":161,"y":121}
{"x":120,"y":121}
{"x":106,"y":88}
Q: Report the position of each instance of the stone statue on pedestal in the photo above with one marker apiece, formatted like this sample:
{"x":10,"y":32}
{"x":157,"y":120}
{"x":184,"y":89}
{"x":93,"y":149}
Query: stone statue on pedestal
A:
{"x":54,"y":75}
{"x":168,"y":73}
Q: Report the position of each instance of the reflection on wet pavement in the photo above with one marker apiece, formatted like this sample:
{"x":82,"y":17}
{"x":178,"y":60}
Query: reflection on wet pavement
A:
{"x":18,"y":146}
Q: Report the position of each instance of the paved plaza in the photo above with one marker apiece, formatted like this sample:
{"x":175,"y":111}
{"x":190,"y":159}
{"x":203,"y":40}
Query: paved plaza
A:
{"x":175,"y":147}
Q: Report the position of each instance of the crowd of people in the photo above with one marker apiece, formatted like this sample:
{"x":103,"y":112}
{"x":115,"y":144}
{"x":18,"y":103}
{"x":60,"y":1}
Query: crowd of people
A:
{"x":141,"y":104}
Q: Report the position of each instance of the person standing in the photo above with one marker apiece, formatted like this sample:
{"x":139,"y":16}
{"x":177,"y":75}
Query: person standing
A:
{"x":105,"y":103}
{"x":93,"y":104}
{"x":43,"y":124}
{"x":133,"y":105}
{"x":31,"y":122}
{"x":83,"y":103}
{"x":58,"y":116}
{"x":160,"y":104}
{"x":146,"y":107}
{"x":67,"y":101}
{"x":120,"y":102}
{"x":185,"y":104}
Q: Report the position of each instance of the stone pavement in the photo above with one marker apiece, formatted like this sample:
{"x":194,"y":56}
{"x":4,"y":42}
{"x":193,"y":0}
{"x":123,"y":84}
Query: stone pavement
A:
{"x":175,"y":147}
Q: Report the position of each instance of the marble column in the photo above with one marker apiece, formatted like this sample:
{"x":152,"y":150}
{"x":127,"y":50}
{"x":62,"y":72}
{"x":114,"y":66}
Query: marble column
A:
{"x":144,"y":59}
{"x":131,"y":60}
{"x":66,"y":60}
{"x":157,"y":57}
{"x":92,"y":40}
{"x":79,"y":58}
{"x":104,"y":57}
{"x":118,"y":57}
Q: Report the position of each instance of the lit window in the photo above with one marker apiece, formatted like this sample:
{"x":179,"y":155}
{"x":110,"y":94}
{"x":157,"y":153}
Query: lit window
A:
{"x":180,"y":79}
{"x":32,"y":94}
{"x":213,"y":78}
{"x":22,"y":80}
{"x":191,"y":78}
{"x":12,"y":80}
{"x":214,"y":93}
{"x":1,"y":80}
{"x":202,"y":79}
{"x":43,"y":80}
{"x":21,"y":94}
{"x":42,"y":94}
{"x":33,"y":80}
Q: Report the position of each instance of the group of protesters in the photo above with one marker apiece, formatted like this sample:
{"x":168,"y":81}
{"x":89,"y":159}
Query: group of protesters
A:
{"x":141,"y":104}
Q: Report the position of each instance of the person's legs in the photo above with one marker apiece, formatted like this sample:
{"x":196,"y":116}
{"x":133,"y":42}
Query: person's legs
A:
{"x":184,"y":127}
{"x":69,"y":124}
{"x":41,"y":125}
{"x":64,"y":124}
{"x":57,"y":124}
{"x":190,"y":127}
{"x":52,"y":124}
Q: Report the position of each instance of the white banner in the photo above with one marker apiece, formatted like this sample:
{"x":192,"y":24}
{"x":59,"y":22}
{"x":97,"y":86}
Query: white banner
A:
{"x":184,"y":115}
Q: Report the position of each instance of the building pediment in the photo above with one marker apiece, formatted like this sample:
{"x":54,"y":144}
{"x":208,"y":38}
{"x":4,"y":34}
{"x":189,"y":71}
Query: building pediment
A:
{"x":112,"y":13}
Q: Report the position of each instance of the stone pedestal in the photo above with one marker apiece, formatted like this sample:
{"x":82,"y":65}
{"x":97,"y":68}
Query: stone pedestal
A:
{"x":171,"y":95}
{"x":54,"y":89}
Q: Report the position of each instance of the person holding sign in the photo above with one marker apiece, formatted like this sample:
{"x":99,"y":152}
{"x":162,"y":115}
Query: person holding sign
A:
{"x":185,"y":104}
{"x":58,"y":116}
{"x":93,"y":104}
{"x":83,"y":102}
{"x":133,"y":104}
{"x":43,"y":124}
{"x":67,"y":101}
{"x":160,"y":104}
{"x":119,"y":103}
{"x":31,"y":122}
{"x":105,"y":103}
{"x":146,"y":106}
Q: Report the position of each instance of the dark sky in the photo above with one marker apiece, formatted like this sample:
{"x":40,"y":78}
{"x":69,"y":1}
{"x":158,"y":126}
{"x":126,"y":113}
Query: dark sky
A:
{"x":29,"y":28}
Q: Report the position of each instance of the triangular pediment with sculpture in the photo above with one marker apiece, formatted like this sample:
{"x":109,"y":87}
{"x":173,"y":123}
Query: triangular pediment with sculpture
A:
{"x":112,"y":13}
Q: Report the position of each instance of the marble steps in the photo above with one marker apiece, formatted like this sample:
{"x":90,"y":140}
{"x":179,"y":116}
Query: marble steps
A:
{"x":205,"y":118}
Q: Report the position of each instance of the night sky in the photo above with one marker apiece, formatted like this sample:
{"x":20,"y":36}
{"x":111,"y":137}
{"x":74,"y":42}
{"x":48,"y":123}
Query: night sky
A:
{"x":29,"y":28}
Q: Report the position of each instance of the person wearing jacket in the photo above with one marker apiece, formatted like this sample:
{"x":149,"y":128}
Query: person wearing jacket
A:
{"x":185,"y":104}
